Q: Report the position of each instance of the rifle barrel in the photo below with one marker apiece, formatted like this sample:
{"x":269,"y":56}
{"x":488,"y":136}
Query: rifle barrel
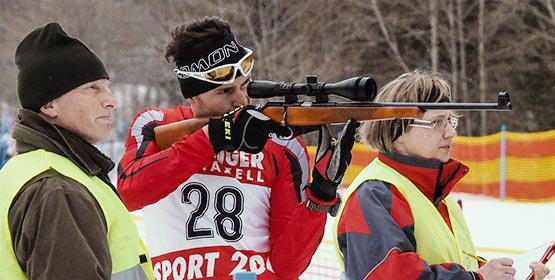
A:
{"x":503,"y":104}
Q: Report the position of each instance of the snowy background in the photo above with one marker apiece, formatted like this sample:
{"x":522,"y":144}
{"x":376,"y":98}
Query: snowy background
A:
{"x":499,"y":229}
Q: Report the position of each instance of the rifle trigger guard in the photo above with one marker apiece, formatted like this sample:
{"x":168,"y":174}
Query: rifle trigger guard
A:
{"x":284,"y":117}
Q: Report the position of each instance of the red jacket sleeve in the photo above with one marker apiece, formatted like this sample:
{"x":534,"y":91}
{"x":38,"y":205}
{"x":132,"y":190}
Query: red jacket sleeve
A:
{"x":295,"y":231}
{"x":146,"y":174}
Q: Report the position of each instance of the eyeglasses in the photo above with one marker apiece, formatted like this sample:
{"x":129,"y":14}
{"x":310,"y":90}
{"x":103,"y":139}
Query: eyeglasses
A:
{"x":439,"y":124}
{"x":224,"y":74}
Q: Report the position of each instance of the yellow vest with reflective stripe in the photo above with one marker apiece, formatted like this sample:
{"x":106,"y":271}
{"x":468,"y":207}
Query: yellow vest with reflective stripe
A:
{"x":124,"y":241}
{"x":436,"y":243}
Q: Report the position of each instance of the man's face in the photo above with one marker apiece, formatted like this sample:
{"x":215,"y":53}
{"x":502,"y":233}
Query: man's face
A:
{"x":85,"y":110}
{"x":222,"y":99}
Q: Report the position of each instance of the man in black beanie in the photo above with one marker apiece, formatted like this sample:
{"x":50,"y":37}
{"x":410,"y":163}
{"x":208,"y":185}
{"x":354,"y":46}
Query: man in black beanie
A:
{"x":52,"y":63}
{"x":60,"y":215}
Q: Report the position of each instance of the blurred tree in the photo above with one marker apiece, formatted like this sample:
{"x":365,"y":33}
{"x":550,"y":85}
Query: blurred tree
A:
{"x":483,"y":46}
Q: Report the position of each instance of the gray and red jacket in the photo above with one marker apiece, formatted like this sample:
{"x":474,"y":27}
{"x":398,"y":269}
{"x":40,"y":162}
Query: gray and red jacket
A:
{"x":380,"y":232}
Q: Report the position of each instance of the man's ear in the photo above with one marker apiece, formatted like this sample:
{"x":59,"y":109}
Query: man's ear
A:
{"x":49,"y":110}
{"x":192,"y":99}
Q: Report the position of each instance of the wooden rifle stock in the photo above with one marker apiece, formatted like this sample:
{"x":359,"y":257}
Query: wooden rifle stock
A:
{"x":166,"y":135}
{"x":311,"y":116}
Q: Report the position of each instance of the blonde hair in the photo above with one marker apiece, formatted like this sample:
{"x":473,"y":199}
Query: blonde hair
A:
{"x":415,"y":86}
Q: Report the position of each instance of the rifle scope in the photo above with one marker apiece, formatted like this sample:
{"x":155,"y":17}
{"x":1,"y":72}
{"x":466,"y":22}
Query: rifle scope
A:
{"x":356,"y":88}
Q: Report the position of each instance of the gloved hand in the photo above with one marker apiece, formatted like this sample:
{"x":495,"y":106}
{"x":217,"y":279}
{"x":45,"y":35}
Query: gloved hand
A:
{"x":244,"y":129}
{"x":331,"y":161}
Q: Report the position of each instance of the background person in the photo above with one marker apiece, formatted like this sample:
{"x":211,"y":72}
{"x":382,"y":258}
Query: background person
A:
{"x":398,"y":220}
{"x":61,"y":217}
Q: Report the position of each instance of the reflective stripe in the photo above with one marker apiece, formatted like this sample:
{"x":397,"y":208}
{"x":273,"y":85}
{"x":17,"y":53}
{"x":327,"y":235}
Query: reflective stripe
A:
{"x":135,"y":272}
{"x":299,"y":150}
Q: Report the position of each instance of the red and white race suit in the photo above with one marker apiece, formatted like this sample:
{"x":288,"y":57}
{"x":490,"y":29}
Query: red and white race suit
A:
{"x":209,"y":216}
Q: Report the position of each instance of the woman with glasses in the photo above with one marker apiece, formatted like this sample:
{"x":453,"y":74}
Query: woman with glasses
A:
{"x":398,"y":220}
{"x":227,"y":198}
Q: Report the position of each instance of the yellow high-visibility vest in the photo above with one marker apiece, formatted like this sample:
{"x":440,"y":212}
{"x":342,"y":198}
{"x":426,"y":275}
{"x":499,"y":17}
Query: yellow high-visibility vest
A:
{"x":436,"y":243}
{"x":125,"y":245}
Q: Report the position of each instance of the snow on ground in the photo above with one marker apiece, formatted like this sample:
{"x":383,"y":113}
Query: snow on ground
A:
{"x":499,"y":229}
{"x":508,"y":225}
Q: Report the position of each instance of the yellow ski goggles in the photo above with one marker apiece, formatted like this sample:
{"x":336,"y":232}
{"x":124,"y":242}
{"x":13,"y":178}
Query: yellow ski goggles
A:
{"x":224,"y":74}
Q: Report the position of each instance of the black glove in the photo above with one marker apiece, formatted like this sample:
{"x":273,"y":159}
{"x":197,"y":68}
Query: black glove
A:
{"x":331,"y":161}
{"x":244,"y":129}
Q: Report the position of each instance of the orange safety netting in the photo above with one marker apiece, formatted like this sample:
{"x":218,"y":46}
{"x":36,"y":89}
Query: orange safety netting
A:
{"x":529,"y":164}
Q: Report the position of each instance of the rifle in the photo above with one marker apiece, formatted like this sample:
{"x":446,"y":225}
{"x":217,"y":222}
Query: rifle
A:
{"x":292,"y":112}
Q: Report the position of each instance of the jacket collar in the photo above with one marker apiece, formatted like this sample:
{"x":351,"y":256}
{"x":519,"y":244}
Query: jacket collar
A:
{"x":433,"y":178}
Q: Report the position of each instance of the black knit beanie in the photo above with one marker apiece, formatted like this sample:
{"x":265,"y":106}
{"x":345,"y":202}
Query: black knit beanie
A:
{"x":51,"y":63}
